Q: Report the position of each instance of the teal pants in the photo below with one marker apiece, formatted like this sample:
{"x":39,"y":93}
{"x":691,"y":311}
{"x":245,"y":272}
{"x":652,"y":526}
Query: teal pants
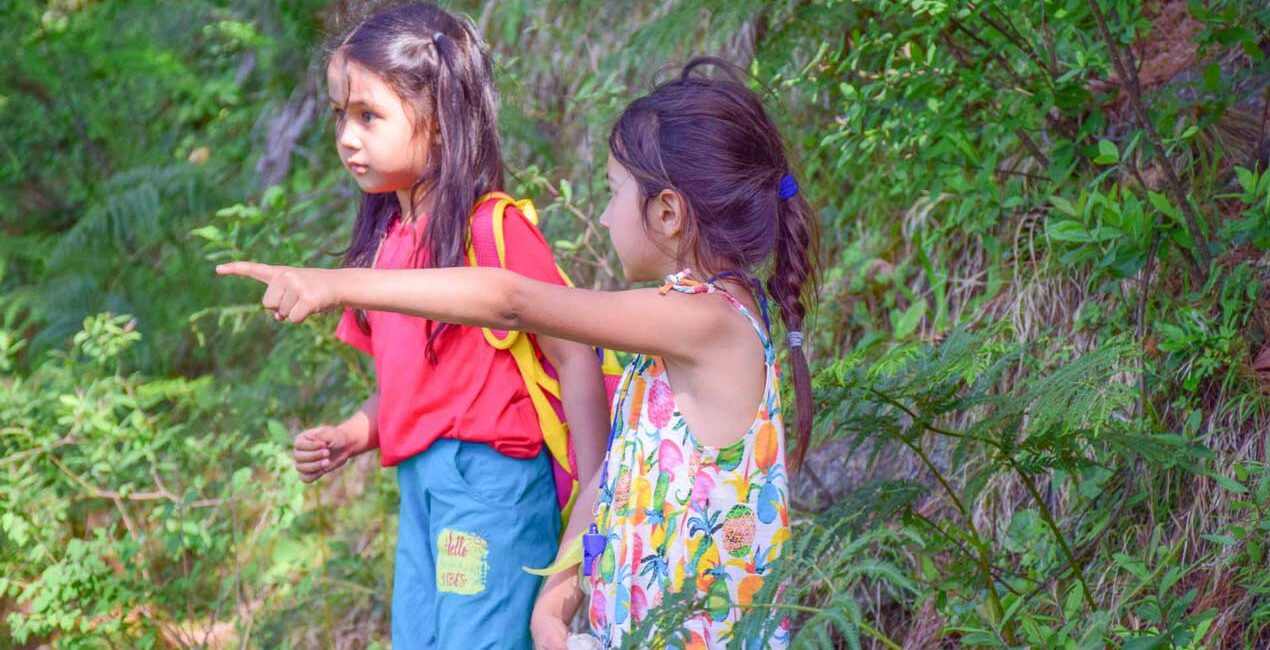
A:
{"x":471,"y":518}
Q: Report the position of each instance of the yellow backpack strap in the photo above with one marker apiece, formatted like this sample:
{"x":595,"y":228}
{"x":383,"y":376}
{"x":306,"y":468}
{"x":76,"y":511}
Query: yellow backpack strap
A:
{"x":509,"y":338}
{"x":538,"y":383}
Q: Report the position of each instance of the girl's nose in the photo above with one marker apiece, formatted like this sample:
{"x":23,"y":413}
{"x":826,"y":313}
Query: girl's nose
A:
{"x":348,"y":140}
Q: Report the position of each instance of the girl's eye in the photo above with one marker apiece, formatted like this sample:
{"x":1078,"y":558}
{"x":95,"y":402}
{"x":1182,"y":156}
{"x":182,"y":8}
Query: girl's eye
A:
{"x":367,"y":116}
{"x":338,"y":113}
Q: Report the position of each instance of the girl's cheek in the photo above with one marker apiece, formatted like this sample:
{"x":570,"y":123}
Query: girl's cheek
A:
{"x":419,"y":158}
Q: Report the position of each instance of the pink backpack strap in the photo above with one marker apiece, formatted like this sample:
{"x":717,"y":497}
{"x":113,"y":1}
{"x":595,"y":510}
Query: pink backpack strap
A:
{"x":484,"y":244}
{"x":483,"y":234}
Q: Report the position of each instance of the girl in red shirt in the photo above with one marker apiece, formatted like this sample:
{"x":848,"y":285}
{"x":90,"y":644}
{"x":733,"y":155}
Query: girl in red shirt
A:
{"x":416,"y":114}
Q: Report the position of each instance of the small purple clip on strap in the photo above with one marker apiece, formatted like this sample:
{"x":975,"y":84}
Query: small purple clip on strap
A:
{"x":592,"y":547}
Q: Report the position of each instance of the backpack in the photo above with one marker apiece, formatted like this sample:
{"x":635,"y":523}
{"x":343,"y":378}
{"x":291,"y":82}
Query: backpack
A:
{"x":486,"y":247}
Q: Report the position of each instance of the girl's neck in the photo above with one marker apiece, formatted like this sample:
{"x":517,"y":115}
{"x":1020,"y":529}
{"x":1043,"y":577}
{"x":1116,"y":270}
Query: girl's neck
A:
{"x":410,"y":210}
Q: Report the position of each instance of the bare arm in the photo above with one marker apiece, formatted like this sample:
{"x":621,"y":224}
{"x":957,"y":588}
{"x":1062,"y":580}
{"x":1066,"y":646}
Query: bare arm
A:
{"x":640,"y":320}
{"x":582,"y":395}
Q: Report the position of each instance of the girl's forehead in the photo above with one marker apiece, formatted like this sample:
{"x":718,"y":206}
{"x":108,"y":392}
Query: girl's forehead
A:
{"x":615,"y":170}
{"x":349,"y":82}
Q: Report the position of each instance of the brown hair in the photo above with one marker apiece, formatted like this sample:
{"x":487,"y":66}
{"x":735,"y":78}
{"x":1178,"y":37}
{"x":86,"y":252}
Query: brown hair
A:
{"x":711,"y":141}
{"x":437,"y":62}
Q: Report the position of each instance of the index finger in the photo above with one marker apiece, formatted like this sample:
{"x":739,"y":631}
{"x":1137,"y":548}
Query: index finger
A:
{"x":254,"y":270}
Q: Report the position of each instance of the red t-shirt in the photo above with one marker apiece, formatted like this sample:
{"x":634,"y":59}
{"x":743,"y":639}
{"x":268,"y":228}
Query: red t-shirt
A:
{"x":474,"y":392}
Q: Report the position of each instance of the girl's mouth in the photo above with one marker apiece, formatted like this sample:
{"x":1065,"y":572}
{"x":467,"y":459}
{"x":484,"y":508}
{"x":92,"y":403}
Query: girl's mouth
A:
{"x":358,"y":168}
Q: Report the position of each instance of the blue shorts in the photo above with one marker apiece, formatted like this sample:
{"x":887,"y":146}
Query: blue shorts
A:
{"x":471,"y":518}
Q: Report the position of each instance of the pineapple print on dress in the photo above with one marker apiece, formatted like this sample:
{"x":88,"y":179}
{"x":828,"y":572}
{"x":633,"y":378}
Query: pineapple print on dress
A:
{"x":738,"y":530}
{"x":683,"y":516}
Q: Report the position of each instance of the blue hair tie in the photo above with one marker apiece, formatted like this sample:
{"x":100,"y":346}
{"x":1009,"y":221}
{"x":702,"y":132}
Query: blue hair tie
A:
{"x":789,"y":187}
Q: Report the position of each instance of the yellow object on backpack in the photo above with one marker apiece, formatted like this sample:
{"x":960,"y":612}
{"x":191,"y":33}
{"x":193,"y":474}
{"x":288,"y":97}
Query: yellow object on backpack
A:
{"x":542,"y":387}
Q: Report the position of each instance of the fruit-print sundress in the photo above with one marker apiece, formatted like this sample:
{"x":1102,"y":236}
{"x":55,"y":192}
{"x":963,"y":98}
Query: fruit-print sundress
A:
{"x":678,"y":514}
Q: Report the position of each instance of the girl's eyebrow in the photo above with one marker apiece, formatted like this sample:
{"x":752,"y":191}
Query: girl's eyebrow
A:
{"x":366,"y":103}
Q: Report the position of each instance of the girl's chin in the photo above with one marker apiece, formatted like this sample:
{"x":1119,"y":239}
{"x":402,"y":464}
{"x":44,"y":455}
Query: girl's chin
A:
{"x":369,"y":185}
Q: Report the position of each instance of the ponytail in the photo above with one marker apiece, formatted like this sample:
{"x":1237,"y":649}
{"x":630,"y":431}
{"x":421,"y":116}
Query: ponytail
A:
{"x":793,"y":279}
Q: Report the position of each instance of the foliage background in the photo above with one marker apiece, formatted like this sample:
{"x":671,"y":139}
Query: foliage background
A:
{"x":1041,"y":344}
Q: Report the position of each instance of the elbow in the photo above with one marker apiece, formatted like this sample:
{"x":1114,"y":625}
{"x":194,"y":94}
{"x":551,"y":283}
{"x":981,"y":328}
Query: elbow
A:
{"x":509,"y":319}
{"x":509,"y":302}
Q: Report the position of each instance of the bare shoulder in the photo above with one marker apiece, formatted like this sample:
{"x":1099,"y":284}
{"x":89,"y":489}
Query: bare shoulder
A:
{"x":716,"y":324}
{"x":720,"y":389}
{"x":727,"y":341}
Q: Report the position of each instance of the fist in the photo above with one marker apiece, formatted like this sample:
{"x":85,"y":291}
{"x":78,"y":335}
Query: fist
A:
{"x":321,"y":450}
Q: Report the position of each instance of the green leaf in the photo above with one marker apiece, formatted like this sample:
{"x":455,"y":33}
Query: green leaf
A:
{"x":1145,"y":643}
{"x":1067,"y":230}
{"x":1247,"y":180}
{"x":1224,"y":540}
{"x":1105,"y":233}
{"x":910,"y":319}
{"x":1229,"y":484}
{"x":1074,"y":602}
{"x":278,"y":429}
{"x":1231,"y":35}
{"x":210,"y":233}
{"x":1072,"y":97}
{"x":1108,"y":154}
{"x":1162,"y":204}
{"x":1212,"y":76}
{"x":1131,"y":564}
{"x":1064,"y":206}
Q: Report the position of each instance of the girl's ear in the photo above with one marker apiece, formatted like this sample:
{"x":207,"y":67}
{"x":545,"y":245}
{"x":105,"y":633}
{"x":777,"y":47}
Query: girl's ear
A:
{"x":668,"y":213}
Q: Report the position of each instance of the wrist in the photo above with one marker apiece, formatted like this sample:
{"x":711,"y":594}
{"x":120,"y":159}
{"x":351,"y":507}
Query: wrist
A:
{"x":357,"y":437}
{"x":561,"y":586}
{"x":339,"y":290}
